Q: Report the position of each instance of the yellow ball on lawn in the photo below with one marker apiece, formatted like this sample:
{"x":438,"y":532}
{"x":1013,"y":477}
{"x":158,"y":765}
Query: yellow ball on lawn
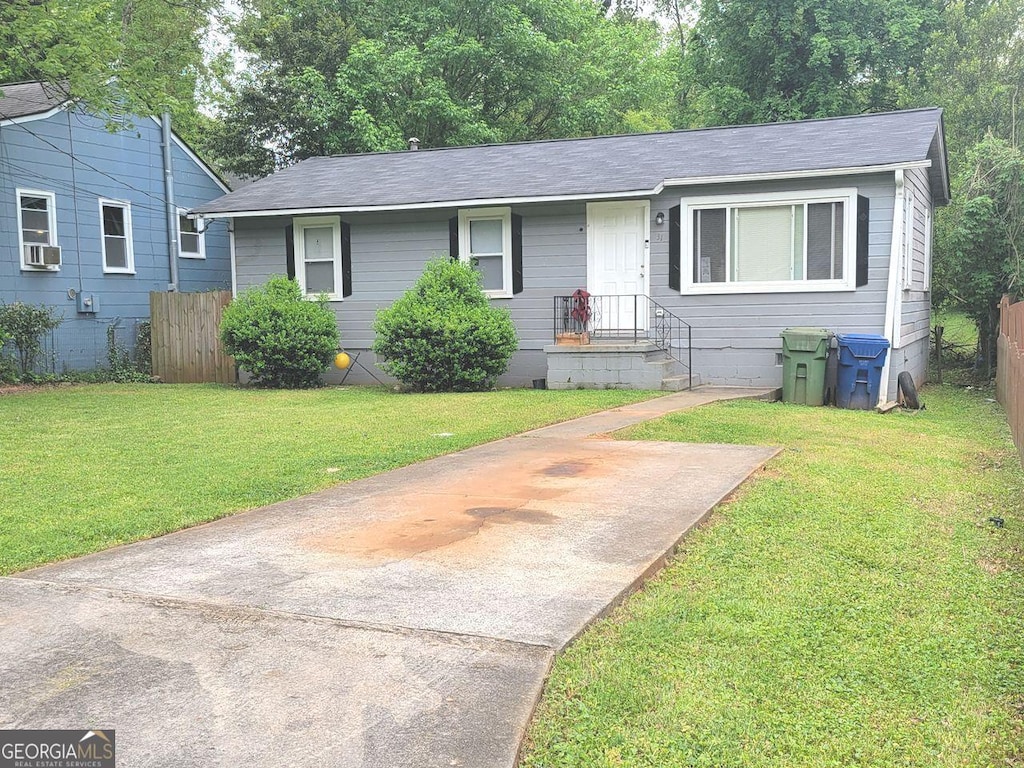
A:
{"x":342,"y":360}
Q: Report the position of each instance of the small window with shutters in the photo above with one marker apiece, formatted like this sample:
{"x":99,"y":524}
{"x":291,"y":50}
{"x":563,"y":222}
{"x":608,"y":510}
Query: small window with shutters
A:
{"x":766,"y":243}
{"x":485,"y":241}
{"x":318,"y":262}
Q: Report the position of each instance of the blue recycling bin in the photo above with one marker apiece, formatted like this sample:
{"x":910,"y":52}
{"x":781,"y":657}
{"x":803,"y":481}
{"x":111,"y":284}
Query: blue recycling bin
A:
{"x":861,"y":359}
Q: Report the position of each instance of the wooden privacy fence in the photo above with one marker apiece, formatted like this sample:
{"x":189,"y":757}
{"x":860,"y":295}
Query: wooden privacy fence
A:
{"x":186,"y":340}
{"x":1010,"y":367}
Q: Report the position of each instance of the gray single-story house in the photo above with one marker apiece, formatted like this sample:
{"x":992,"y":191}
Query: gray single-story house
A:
{"x":702,"y":245}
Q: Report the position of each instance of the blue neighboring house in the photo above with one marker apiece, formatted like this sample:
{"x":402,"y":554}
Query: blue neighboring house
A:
{"x":84,"y":220}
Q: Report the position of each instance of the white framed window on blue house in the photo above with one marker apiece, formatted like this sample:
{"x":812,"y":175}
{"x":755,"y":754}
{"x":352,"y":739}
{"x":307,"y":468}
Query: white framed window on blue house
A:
{"x":116,"y":231}
{"x":37,"y":226}
{"x":191,"y":241}
{"x":770,"y":242}
{"x":485,"y":241}
{"x":318,"y":268}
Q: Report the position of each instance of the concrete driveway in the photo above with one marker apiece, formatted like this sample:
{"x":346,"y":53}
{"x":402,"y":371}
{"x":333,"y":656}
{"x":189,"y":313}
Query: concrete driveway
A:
{"x":408,"y":619}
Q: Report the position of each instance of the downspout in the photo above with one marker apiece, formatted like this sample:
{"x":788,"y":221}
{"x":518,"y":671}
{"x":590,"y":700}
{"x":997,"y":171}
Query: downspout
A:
{"x":172,"y":210}
{"x":892,"y":295}
{"x":231,"y":248}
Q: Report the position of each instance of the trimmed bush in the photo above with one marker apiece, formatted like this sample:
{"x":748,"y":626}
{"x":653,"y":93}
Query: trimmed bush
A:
{"x":443,"y":335}
{"x":278,"y":337}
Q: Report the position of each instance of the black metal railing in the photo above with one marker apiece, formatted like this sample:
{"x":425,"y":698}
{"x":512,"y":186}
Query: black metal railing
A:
{"x":626,"y":317}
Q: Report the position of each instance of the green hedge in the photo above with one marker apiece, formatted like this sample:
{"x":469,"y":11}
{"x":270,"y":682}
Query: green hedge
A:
{"x":443,"y":335}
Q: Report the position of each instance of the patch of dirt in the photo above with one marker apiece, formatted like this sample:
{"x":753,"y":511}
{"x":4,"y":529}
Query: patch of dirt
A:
{"x":14,"y":389}
{"x":992,"y":567}
{"x":19,"y":389}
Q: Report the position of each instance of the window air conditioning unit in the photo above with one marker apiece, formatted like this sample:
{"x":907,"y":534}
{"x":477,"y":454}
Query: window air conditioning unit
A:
{"x":42,"y":255}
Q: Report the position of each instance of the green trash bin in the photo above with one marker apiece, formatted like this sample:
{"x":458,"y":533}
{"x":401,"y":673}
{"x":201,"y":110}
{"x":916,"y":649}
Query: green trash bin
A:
{"x":804,"y":357}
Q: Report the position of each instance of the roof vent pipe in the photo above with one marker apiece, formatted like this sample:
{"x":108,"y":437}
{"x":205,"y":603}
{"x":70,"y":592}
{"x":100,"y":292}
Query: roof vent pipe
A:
{"x":414,"y":144}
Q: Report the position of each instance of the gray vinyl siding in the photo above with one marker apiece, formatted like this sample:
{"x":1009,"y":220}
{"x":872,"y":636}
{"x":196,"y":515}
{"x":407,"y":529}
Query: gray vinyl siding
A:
{"x":912,"y":357}
{"x":915,"y":302}
{"x":735,"y":337}
{"x":390,"y":250}
{"x":259,"y":250}
{"x":125,"y":166}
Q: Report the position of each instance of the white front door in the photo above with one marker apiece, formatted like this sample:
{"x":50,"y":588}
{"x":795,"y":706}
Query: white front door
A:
{"x":618,"y":245}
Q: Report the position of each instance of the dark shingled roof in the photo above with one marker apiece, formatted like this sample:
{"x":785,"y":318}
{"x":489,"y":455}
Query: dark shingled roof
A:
{"x":22,"y":99}
{"x":605,"y":165}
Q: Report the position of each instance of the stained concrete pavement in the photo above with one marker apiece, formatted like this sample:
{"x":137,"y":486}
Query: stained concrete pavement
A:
{"x":408,"y":619}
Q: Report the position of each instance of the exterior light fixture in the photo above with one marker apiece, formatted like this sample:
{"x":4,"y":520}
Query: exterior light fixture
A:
{"x":660,"y":218}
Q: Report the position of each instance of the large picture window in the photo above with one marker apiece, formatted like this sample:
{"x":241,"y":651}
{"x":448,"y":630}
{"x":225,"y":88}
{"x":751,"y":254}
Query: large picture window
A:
{"x":791,"y":242}
{"x":485,"y":241}
{"x":116,"y":231}
{"x":318,"y":256}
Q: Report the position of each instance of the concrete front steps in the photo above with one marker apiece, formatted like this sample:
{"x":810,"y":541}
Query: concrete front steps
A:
{"x":610,"y":364}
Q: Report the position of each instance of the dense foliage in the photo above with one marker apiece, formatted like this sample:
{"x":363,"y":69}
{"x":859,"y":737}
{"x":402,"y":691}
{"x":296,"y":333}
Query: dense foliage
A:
{"x":330,"y":76}
{"x":443,"y":334}
{"x":769,"y":60}
{"x":981,"y":253}
{"x":278,"y":337}
{"x":24,"y":325}
{"x":114,"y":56}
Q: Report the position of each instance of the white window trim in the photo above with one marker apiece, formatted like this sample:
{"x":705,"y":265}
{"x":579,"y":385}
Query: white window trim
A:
{"x":907,"y":254}
{"x":182,"y":253}
{"x":129,"y":239}
{"x":299,"y":226}
{"x":504,"y":214}
{"x":51,"y":209}
{"x":927,"y":283}
{"x":845,"y":195}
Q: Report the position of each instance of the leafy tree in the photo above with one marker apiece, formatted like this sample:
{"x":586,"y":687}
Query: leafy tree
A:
{"x":140,"y":56}
{"x":334,"y":76}
{"x":974,"y":69}
{"x":980,"y":254}
{"x":770,"y":60}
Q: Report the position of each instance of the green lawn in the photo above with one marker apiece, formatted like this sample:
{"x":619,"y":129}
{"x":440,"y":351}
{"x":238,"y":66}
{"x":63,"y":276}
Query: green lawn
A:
{"x":852,"y":606}
{"x":83,"y":468}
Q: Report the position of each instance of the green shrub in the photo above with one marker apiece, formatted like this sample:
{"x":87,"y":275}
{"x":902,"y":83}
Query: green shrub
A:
{"x":278,"y":337}
{"x":127,"y":365}
{"x":24,"y":325}
{"x":443,"y":335}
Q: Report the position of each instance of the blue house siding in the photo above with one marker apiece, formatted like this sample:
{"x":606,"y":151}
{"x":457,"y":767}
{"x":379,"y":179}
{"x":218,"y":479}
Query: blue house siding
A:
{"x":124,"y":166}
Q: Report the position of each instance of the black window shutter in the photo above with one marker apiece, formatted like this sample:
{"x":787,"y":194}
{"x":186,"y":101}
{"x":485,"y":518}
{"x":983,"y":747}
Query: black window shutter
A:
{"x":453,"y":237}
{"x":289,"y":251}
{"x":675,"y":237}
{"x":517,"y":253}
{"x":346,"y":259}
{"x":863,"y":211}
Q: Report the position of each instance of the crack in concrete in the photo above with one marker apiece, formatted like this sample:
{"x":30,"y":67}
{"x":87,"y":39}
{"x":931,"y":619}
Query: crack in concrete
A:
{"x":466,"y":639}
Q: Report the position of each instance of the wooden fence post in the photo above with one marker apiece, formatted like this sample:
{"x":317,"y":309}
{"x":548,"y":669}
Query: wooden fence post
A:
{"x":1010,"y":367}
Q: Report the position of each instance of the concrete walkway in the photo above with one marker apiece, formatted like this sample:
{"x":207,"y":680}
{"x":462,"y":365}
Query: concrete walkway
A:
{"x":408,"y":619}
